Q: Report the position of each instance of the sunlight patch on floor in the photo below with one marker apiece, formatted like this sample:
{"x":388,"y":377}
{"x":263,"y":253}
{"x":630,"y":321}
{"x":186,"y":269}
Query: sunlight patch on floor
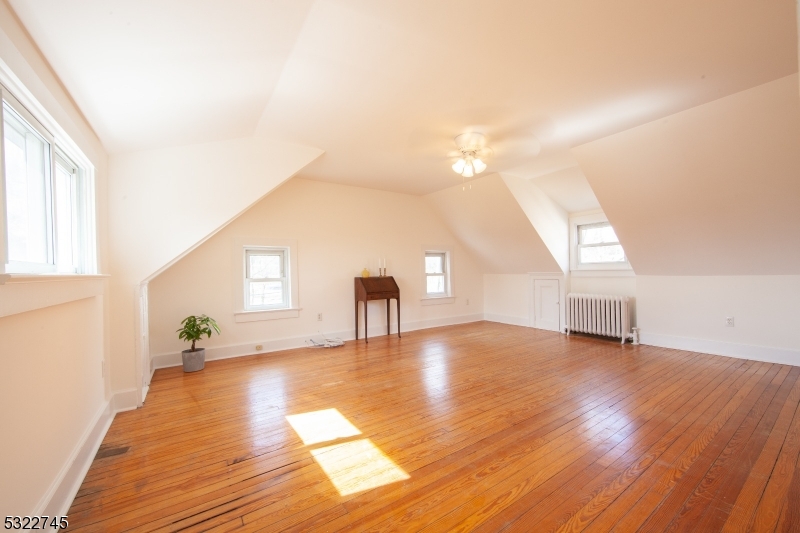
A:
{"x":322,"y":426}
{"x":353,"y":466}
{"x":357,"y":466}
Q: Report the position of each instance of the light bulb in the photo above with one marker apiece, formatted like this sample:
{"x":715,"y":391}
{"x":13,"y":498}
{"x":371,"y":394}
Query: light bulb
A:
{"x":479,"y":166}
{"x":458,"y":166}
{"x":468,"y":171}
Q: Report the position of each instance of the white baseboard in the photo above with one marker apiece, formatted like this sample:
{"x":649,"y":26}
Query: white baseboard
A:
{"x":165,"y":360}
{"x":126,"y":400}
{"x":766,"y":354}
{"x":505,"y":319}
{"x":58,"y":498}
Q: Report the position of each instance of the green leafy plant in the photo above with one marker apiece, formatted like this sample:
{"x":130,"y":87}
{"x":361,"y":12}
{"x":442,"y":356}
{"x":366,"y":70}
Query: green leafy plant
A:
{"x":194,"y":327}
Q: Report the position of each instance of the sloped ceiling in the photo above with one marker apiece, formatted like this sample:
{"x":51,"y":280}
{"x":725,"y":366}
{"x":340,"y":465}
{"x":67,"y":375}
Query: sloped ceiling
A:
{"x":569,"y":189}
{"x":711,"y":190}
{"x":383,"y":87}
{"x":157,"y":73}
{"x":490,"y":223}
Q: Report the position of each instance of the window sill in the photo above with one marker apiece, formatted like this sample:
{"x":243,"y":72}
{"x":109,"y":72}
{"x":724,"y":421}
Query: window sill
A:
{"x":607,"y":273}
{"x":269,"y":314}
{"x":438,"y":300}
{"x":40,"y":278}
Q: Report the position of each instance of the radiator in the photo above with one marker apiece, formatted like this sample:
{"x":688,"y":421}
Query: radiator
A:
{"x":598,"y":314}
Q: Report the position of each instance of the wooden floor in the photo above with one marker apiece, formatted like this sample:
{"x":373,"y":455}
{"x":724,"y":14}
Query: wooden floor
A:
{"x":492,"y":427}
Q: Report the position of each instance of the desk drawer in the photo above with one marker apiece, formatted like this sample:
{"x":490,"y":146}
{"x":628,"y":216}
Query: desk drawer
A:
{"x":381,"y":295}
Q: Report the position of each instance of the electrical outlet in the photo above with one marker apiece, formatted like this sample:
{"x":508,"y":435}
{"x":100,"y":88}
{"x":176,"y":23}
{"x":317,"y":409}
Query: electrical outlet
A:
{"x":259,"y":347}
{"x":319,"y":317}
{"x":729,"y":321}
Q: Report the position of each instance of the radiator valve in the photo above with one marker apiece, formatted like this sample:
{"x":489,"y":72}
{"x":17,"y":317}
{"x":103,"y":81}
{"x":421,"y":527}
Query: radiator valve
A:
{"x":635,"y":335}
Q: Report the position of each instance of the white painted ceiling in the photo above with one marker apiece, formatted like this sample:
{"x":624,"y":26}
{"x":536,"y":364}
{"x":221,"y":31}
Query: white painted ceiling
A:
{"x":491,"y":225}
{"x":383,"y":87}
{"x":712,"y":190}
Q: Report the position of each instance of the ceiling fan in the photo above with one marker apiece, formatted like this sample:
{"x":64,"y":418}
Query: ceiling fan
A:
{"x":474,"y":152}
{"x":499,"y":148}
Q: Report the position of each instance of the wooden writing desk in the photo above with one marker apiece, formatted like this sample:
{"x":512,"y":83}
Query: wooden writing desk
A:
{"x":381,"y":288}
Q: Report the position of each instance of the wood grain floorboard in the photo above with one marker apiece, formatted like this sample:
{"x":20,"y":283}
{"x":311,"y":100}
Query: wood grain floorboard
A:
{"x":495,"y":428}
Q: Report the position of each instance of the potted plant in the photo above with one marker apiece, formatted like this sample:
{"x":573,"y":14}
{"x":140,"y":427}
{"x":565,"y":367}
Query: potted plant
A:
{"x":194,"y":327}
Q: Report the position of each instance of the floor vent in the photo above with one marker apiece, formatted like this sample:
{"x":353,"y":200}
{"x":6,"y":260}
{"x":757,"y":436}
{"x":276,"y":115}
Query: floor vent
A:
{"x":111,"y":451}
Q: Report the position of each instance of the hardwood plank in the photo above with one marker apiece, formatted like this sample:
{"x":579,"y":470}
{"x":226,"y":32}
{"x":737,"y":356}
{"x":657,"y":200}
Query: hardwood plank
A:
{"x":496,"y":426}
{"x":571,"y":509}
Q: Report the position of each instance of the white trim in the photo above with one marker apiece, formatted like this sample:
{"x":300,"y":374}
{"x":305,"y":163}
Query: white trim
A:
{"x":448,"y":274}
{"x":27,"y":294}
{"x":58,"y":498}
{"x":266,"y":314}
{"x":12,"y":278}
{"x":546,"y":275}
{"x":238,"y":258}
{"x":170,"y":359}
{"x":505,"y":319}
{"x":592,"y":217}
{"x":585,"y":273}
{"x":83,"y":188}
{"x":126,"y":400}
{"x":562,"y":296}
{"x":437,"y":300}
{"x":768,"y":354}
{"x":26,"y":98}
{"x":3,"y":218}
{"x":285,"y":279}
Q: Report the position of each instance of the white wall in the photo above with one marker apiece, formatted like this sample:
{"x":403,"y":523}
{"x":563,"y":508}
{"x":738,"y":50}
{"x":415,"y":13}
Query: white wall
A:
{"x":52,"y":333}
{"x":705,"y":205}
{"x":689,"y":312}
{"x":339,"y":230}
{"x":507,"y":298}
{"x":52,"y":394}
{"x":164,"y":202}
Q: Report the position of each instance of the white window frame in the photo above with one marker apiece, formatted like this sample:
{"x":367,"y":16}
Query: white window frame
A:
{"x":61,"y":147}
{"x":590,"y":219}
{"x":283,"y":253}
{"x":242,"y":312}
{"x":447,"y":296}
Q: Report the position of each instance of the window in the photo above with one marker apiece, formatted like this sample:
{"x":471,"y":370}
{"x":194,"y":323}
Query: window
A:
{"x":437,"y":277}
{"x":598,"y":244}
{"x":45,"y":204}
{"x":267,"y":284}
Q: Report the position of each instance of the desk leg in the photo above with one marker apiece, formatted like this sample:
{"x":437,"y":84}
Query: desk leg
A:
{"x":398,"y":316}
{"x":388,"y":320}
{"x":366,"y":329}
{"x":356,"y":319}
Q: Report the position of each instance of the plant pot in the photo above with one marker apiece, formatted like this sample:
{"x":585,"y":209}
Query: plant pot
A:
{"x":194,"y":360}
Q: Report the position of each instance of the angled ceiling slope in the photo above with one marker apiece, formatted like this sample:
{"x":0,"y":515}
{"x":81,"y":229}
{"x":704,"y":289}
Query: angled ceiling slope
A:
{"x":156,"y":73}
{"x":490,"y":223}
{"x":383,"y":87}
{"x":713,"y":190}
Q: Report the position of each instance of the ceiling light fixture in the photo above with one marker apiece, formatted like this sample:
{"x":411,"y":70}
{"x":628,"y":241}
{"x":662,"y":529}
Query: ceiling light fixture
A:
{"x":472,"y":147}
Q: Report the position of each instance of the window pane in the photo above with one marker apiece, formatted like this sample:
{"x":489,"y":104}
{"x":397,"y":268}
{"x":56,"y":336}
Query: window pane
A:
{"x":266,"y":293}
{"x":434,"y":264}
{"x":27,"y":161}
{"x":598,"y":234}
{"x":603,"y":254}
{"x":266,"y":266}
{"x":435,"y":285}
{"x":65,"y":231}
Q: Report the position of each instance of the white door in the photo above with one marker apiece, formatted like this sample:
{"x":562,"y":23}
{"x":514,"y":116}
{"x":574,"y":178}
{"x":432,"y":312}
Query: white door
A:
{"x":546,"y":312}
